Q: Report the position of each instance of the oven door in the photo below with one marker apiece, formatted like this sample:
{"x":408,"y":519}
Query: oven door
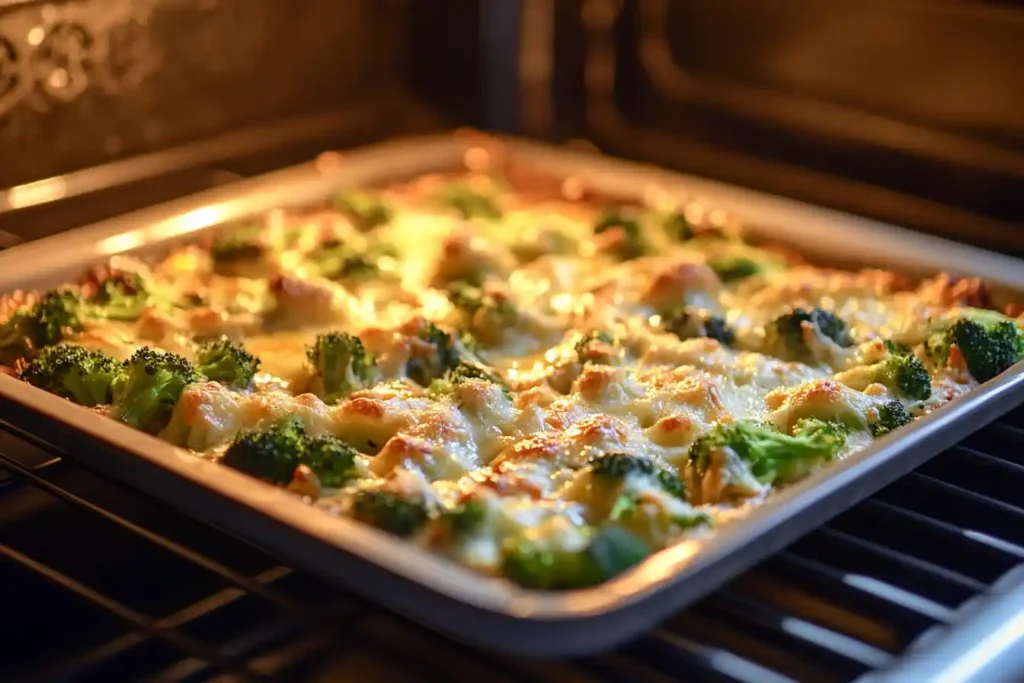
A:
{"x":908,"y":113}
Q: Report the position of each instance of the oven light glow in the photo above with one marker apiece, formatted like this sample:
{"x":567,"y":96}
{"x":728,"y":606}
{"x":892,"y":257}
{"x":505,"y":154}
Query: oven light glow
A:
{"x":121,"y":243}
{"x":185,"y":223}
{"x":198,"y":219}
{"x":39,"y":192}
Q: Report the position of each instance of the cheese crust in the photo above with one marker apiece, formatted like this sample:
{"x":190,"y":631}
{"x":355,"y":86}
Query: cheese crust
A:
{"x":632,"y":330}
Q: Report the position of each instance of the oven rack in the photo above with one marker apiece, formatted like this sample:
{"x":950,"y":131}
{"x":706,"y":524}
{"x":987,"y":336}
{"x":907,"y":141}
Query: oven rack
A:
{"x":913,"y":581}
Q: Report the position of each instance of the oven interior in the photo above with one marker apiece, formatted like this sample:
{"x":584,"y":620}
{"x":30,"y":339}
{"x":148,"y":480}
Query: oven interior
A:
{"x":904,"y":112}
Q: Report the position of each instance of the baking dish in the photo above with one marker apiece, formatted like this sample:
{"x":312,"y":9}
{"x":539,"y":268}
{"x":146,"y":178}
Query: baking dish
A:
{"x":413,"y":581}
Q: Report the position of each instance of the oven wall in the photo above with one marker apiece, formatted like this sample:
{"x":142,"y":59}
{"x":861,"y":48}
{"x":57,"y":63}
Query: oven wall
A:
{"x":85,"y":82}
{"x":906,"y":110}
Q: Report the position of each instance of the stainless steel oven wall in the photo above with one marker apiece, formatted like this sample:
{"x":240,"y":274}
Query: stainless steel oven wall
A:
{"x":908,"y":111}
{"x":84,"y":82}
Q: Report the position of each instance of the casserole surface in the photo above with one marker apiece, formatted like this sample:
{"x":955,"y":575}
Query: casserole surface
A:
{"x":535,"y":379}
{"x":421,"y":583}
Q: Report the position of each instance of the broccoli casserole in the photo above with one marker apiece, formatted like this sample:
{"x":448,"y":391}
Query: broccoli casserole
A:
{"x":539,"y":384}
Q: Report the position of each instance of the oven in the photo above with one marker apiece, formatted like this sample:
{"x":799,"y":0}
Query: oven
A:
{"x":901,"y":112}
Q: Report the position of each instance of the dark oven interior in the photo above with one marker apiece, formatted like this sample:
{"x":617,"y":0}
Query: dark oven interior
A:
{"x":902,"y":111}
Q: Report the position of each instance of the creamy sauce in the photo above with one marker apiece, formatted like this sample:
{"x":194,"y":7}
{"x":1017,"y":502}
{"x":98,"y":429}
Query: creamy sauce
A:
{"x":524,"y":451}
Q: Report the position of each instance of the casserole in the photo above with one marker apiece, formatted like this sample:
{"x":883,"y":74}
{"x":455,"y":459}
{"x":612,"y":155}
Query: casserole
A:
{"x":418,"y":582}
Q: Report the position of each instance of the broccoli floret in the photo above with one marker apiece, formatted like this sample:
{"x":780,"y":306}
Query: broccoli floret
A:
{"x":478,"y":303}
{"x":465,"y":296}
{"x":486,"y":314}
{"x":45,"y":323}
{"x":441,"y":352}
{"x":904,"y":373}
{"x":619,"y":465}
{"x":390,"y":512}
{"x":274,"y":453}
{"x":692,"y":323}
{"x":468,"y":202}
{"x":788,"y":334}
{"x":226,"y":361}
{"x":440,"y":358}
{"x":633,"y":244}
{"x":367,"y":211}
{"x":75,"y":373}
{"x":611,"y":471}
{"x":988,"y":348}
{"x":150,"y":387}
{"x":271,"y":454}
{"x":463,"y":371}
{"x":332,"y":460}
{"x":341,"y":365}
{"x":769,"y":455}
{"x":611,"y":551}
{"x":467,"y":370}
{"x":734,"y":268}
{"x":337,"y":260}
{"x":465,"y":519}
{"x":891,"y":415}
{"x":241,"y":245}
{"x":599,"y":348}
{"x":678,"y":226}
{"x":121,"y":296}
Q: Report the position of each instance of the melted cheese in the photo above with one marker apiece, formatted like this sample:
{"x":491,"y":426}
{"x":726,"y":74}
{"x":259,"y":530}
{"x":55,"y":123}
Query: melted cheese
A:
{"x":523,"y":453}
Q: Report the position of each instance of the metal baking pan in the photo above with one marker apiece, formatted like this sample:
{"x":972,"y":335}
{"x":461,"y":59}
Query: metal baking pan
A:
{"x":429,"y":588}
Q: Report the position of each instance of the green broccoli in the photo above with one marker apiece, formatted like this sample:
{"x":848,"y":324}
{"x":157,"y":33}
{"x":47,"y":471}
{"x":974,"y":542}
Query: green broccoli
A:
{"x":227,"y":362}
{"x":477,"y":303}
{"x":121,"y":296}
{"x":891,"y":415}
{"x":239,"y":249}
{"x":616,"y":466}
{"x":487,"y":315}
{"x":274,"y":453}
{"x":443,"y":352}
{"x":598,"y":348}
{"x":337,"y":260}
{"x":633,"y":243}
{"x":75,"y":373}
{"x":151,"y":385}
{"x":691,"y":323}
{"x":786,"y":335}
{"x":766,"y":454}
{"x":367,"y":211}
{"x":904,"y":373}
{"x":390,"y":512}
{"x":731,"y":268}
{"x":468,"y":202}
{"x":341,"y":365}
{"x":467,"y":370}
{"x":43,"y":324}
{"x":271,"y":454}
{"x":611,"y":551}
{"x":678,"y":226}
{"x":989,"y":348}
{"x":464,"y":519}
{"x":332,"y":460}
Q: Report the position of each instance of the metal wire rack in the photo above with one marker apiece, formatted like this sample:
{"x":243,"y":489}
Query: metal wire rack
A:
{"x":112,"y":585}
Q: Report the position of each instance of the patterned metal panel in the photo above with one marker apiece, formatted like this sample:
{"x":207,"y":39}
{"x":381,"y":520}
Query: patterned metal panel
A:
{"x":87,"y":81}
